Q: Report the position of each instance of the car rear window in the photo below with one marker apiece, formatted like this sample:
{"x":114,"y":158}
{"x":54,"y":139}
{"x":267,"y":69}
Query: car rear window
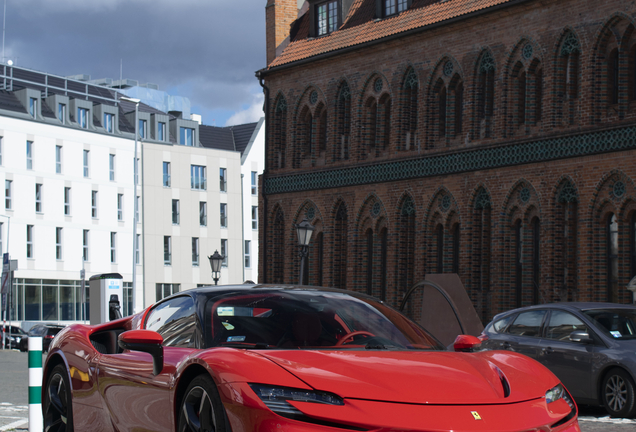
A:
{"x":618,"y":323}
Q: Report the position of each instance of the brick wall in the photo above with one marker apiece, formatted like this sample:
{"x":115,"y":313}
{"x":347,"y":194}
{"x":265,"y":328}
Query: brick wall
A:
{"x":564,"y":45}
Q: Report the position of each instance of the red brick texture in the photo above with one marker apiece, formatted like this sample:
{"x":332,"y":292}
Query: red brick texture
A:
{"x":536,"y":232}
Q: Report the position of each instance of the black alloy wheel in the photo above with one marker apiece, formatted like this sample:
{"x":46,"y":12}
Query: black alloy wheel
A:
{"x":617,"y":393}
{"x":57,"y":406}
{"x":201,"y":408}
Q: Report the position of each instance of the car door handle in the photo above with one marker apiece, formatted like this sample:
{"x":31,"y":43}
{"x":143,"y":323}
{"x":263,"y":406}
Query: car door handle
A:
{"x":547,"y":350}
{"x":504,"y":345}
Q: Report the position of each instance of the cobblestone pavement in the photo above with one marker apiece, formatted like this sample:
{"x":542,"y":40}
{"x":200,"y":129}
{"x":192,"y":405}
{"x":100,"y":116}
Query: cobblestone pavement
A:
{"x":14,"y":409}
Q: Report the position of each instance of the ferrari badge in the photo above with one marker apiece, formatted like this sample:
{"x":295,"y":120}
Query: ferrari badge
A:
{"x":476,"y":415}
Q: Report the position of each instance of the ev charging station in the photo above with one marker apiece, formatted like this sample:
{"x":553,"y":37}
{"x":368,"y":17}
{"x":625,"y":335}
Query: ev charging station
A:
{"x":106,"y":297}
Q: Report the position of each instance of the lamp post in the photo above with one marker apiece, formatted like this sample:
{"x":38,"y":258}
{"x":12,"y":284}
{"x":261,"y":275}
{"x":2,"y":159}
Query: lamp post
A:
{"x":304,"y":231}
{"x":136,"y":174}
{"x":215,"y":262}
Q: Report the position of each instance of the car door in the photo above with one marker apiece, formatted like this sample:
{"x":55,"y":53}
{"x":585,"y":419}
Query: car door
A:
{"x":136,"y":399}
{"x":524,"y":334}
{"x":570,"y":361}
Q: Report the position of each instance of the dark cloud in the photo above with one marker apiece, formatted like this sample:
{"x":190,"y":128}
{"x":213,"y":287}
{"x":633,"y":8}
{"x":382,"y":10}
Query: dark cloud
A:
{"x":207,"y":50}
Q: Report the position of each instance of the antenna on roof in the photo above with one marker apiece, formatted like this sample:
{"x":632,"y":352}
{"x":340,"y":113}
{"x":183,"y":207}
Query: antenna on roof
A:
{"x":121,"y":69}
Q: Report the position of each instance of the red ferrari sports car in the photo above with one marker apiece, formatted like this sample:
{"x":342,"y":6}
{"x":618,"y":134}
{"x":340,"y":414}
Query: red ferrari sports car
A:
{"x":276,"y":358}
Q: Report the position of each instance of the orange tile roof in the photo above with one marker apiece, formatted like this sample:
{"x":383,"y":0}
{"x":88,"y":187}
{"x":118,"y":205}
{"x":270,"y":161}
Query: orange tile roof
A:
{"x":348,"y":36}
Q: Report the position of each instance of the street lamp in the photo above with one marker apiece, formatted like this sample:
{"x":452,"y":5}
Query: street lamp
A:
{"x":215,"y":262}
{"x":134,"y":251}
{"x":304,"y":231}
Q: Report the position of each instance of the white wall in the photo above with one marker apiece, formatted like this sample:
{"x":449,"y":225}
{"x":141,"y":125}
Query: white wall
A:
{"x":44,"y":265}
{"x":157,"y":204}
{"x":253,"y":160}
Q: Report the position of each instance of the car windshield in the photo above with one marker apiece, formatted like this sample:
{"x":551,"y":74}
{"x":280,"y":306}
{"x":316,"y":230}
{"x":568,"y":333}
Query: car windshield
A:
{"x":618,"y":323}
{"x":305,"y":319}
{"x":17,"y":331}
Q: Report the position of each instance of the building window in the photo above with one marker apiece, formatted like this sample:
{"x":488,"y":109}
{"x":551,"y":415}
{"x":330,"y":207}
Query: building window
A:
{"x":224,"y":251}
{"x":167,"y":250}
{"x":166,"y":290}
{"x":327,"y":17}
{"x":203,"y":213}
{"x":254,"y":183}
{"x":67,"y":201}
{"x":137,"y":241}
{"x":223,"y":180}
{"x":518,"y":233}
{"x":161,"y":131}
{"x":33,"y":107}
{"x":136,"y":164}
{"x":1,"y":226}
{"x":254,"y":217}
{"x":94,"y":204}
{"x":186,"y":137}
{"x":392,"y":7}
{"x":195,"y":251}
{"x":486,"y":91}
{"x":613,"y":76}
{"x":143,"y":128}
{"x":61,"y":112}
{"x":455,"y":262}
{"x":58,"y":159}
{"x":38,"y":198}
{"x":223,"y":215}
{"x":82,"y":118}
{"x":120,"y":207}
{"x":280,"y":134}
{"x":85,"y":236}
{"x":369,"y":262}
{"x":7,"y":194}
{"x":1,"y":151}
{"x":29,"y":243}
{"x":29,"y":155}
{"x":248,"y":262}
{"x":58,"y":243}
{"x":439,"y":234}
{"x":111,"y":167}
{"x":113,"y":247}
{"x":137,"y":208}
{"x":175,"y":212}
{"x":108,"y":122}
{"x":197,"y":177}
{"x":409,"y":109}
{"x":85,"y":162}
{"x":166,"y":174}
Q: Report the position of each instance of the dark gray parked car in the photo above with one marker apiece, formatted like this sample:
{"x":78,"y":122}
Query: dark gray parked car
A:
{"x":590,"y":347}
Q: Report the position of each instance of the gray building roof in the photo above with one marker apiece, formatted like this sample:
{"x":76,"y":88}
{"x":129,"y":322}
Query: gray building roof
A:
{"x":227,"y":138}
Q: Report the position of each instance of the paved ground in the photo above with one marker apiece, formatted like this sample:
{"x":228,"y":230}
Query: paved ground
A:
{"x":14,"y":400}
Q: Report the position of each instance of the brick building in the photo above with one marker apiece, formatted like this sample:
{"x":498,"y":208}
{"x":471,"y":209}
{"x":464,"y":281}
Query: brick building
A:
{"x":495,"y":139}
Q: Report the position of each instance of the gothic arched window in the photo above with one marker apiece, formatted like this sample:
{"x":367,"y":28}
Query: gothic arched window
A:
{"x":611,"y":242}
{"x":343,"y":123}
{"x":481,"y":249}
{"x":567,"y":82}
{"x":486,"y":93}
{"x":566,"y":241}
{"x":340,"y":247}
{"x":280,"y":134}
{"x":278,"y":247}
{"x":410,"y":92}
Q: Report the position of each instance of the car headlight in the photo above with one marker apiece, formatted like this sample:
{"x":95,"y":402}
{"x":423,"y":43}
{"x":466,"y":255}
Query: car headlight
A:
{"x":275,"y":398}
{"x":556,"y":393}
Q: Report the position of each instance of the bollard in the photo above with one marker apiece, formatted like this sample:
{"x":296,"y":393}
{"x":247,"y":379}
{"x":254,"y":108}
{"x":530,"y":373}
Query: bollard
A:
{"x":35,"y":384}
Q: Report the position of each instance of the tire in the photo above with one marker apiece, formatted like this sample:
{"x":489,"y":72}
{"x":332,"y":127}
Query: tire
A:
{"x":57,"y":406}
{"x":201,"y":409}
{"x":617,"y":394}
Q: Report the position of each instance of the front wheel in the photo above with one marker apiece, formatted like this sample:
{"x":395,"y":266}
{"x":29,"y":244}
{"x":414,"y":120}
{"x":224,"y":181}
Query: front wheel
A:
{"x":201,"y":409}
{"x":617,"y":393}
{"x":57,"y":406}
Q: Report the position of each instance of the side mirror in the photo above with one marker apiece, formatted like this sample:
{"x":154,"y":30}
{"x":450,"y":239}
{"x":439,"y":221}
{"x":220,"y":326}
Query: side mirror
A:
{"x":581,"y":336}
{"x":466,"y":343}
{"x":145,"y":341}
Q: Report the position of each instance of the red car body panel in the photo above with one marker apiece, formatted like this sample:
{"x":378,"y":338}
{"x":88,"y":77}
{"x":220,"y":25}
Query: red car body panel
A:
{"x":118,"y":392}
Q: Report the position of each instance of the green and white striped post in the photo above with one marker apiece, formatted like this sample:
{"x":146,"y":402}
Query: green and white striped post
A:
{"x":35,"y":384}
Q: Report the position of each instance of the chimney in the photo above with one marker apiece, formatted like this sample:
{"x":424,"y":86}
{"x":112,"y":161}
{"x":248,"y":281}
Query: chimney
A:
{"x":279,"y":14}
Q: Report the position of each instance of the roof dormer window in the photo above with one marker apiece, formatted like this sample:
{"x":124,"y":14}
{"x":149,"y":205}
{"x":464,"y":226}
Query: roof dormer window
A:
{"x":387,"y":8}
{"x":326,"y":17}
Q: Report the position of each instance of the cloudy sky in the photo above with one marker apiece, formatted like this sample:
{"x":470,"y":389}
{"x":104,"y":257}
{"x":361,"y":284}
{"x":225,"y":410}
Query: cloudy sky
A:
{"x":206,"y":50}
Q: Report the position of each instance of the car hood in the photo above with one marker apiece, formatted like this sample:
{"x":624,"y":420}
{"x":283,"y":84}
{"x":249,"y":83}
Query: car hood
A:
{"x":419,"y":377}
